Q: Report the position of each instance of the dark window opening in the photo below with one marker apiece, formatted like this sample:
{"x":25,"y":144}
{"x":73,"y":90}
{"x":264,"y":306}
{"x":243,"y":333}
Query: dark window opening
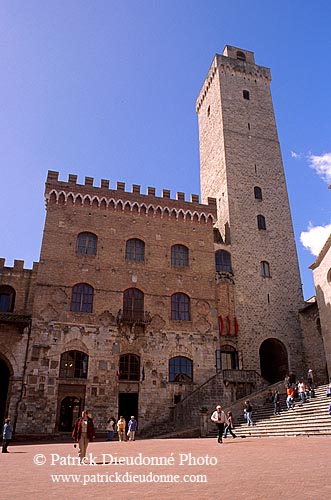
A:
{"x":246,"y":94}
{"x":74,"y":364}
{"x":217,"y":236}
{"x":180,"y":307}
{"x":227,"y":358}
{"x":241,"y":56}
{"x":179,"y":256}
{"x":180,"y":370}
{"x":135,"y":250}
{"x":82,"y":298}
{"x":7,"y":298}
{"x":265,"y":269}
{"x":257,"y":193}
{"x":261,"y":222}
{"x":87,"y":244}
{"x":223,"y":261}
{"x":133,"y":305}
{"x":129,"y":367}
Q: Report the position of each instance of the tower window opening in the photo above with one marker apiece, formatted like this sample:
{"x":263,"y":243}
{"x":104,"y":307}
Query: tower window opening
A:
{"x":265,"y":269}
{"x":208,"y":111}
{"x":257,"y":193}
{"x":261,"y":222}
{"x":246,"y":94}
{"x":241,"y":56}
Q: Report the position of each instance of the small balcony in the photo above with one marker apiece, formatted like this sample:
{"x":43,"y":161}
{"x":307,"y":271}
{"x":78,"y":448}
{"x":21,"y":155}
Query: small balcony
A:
{"x":224,"y":276}
{"x":21,"y":320}
{"x":133,"y":318}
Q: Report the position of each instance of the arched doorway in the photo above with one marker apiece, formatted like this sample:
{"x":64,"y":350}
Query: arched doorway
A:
{"x":4,"y":377}
{"x":273,"y":360}
{"x":69,"y":412}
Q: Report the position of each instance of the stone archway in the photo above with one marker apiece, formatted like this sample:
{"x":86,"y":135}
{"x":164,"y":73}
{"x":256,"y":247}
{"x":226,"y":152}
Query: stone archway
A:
{"x":4,"y":377}
{"x":273,"y":360}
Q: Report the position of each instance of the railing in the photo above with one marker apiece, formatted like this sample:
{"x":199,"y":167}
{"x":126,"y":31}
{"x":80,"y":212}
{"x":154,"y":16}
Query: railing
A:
{"x":133,"y":317}
{"x":227,"y":276}
{"x":241,"y":376}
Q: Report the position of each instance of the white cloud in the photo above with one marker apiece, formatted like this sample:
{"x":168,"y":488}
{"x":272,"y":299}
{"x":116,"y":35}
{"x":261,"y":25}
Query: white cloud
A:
{"x":315,"y":238}
{"x":322,"y":165}
{"x":295,"y":155}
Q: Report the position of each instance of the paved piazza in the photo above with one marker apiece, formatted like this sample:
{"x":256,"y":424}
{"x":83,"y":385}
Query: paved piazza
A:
{"x":159,"y":469}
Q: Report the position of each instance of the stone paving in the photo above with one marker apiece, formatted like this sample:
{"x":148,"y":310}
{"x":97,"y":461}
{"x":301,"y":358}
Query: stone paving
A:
{"x":239,"y":469}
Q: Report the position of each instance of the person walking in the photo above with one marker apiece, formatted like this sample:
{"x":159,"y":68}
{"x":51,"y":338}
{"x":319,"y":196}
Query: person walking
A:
{"x":292,"y":380}
{"x":219,"y":418}
{"x":83,"y":433}
{"x":7,"y":434}
{"x":277,"y":403}
{"x":310,"y":377}
{"x":229,"y":427}
{"x":302,"y":391}
{"x":121,"y":425}
{"x":290,"y":397}
{"x":111,"y":422}
{"x":248,"y":410}
{"x":132,"y":427}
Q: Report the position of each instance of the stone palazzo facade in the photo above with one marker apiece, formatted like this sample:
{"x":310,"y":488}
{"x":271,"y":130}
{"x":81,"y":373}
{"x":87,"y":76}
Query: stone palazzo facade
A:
{"x":140,"y":302}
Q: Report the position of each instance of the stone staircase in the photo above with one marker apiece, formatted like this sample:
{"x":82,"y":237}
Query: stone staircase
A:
{"x":308,"y":419}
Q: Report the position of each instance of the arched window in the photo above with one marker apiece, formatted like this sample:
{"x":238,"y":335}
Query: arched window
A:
{"x":179,"y":256}
{"x":257,"y":193}
{"x":180,"y":307}
{"x":241,"y":56}
{"x":180,"y":369}
{"x":129,"y":367}
{"x":265,"y":269}
{"x":74,"y":364}
{"x":133,"y":305}
{"x":223,"y":261}
{"x":261,"y":222}
{"x":87,"y":244}
{"x":7,"y":298}
{"x":82,"y":298}
{"x":135,"y":250}
{"x":227,"y":358}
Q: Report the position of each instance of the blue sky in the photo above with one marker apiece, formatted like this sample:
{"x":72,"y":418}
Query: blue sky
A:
{"x":107,"y":89}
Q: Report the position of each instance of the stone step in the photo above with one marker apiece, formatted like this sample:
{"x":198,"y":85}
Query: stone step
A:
{"x":311,"y":418}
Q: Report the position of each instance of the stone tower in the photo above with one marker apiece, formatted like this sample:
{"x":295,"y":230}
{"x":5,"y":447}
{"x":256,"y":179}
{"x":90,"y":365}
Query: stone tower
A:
{"x":241,"y":166}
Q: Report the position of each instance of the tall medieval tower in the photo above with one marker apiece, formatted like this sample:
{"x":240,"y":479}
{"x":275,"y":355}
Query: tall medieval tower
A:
{"x":241,"y":166}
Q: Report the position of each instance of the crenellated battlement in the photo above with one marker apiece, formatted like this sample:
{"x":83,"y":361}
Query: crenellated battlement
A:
{"x":18,"y":266}
{"x":102,"y":197}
